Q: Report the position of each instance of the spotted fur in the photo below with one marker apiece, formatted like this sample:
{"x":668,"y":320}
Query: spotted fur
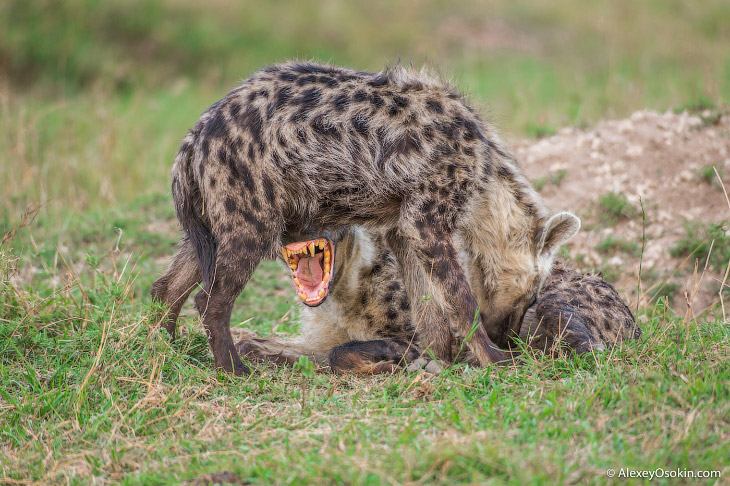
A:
{"x":302,"y":150}
{"x":368,"y":325}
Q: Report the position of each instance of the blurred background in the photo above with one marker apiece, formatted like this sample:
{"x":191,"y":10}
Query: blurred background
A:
{"x":96,"y":95}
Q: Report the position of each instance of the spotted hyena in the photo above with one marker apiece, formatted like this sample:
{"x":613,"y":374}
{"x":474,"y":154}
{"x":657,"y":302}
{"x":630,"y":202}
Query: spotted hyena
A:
{"x":368,"y":323}
{"x":300,"y":152}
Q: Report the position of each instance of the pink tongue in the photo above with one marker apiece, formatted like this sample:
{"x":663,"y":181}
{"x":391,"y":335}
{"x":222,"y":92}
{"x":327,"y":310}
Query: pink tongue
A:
{"x":309,"y":271}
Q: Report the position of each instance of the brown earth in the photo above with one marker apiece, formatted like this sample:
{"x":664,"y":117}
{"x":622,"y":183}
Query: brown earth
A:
{"x":666,"y":161}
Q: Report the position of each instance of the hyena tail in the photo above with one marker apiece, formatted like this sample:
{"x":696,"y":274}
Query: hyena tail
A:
{"x":189,"y":207}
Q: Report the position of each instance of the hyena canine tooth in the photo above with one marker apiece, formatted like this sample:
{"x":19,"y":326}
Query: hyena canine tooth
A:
{"x":300,"y":152}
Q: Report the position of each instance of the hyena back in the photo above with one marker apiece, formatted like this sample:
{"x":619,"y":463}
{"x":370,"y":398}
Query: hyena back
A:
{"x":300,"y":152}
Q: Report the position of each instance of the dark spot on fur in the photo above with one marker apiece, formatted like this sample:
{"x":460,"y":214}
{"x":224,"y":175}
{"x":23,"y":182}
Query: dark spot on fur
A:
{"x":404,"y":305}
{"x":394,"y":286}
{"x":306,"y":79}
{"x":257,"y":224}
{"x":359,"y":96}
{"x":246,"y":176}
{"x":321,"y":126}
{"x":504,"y":173}
{"x":400,"y":101}
{"x":205,"y":148}
{"x":287,"y":76}
{"x":377,"y":101}
{"x":216,"y":127}
{"x":251,"y":121}
{"x":375,"y":269}
{"x":391,"y":314}
{"x":268,"y":189}
{"x":428,"y":133}
{"x":301,"y":135}
{"x":308,"y":68}
{"x":408,"y":143}
{"x":255,"y":204}
{"x":234,"y":110}
{"x":360,"y":123}
{"x":435,"y":106}
{"x":388,"y":297}
{"x":283,"y":95}
{"x":230,"y":204}
{"x":340,"y":102}
{"x":327,"y":81}
{"x":378,"y":81}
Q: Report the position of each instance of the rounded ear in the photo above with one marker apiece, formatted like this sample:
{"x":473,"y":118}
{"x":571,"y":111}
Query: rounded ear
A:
{"x":559,"y":228}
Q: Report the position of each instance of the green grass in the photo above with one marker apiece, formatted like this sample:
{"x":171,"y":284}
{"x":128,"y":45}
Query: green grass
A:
{"x":614,"y":207}
{"x":555,"y":179}
{"x":94,"y":100}
{"x":612,"y":245}
{"x":92,"y":389}
{"x":705,"y":243}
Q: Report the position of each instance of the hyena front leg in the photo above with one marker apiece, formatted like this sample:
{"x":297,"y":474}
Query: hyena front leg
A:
{"x":429,"y":313}
{"x":173,"y":288}
{"x":439,"y":261}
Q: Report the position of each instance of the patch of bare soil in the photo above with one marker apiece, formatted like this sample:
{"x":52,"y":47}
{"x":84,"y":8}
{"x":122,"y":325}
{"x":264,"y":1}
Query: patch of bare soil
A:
{"x":664,"y":159}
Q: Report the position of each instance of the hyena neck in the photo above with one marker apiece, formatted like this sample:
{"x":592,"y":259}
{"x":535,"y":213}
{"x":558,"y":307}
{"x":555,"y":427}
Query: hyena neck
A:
{"x":500,"y":235}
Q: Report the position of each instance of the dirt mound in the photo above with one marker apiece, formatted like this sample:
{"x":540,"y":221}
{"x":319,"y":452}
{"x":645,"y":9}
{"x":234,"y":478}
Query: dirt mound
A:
{"x":667,"y":161}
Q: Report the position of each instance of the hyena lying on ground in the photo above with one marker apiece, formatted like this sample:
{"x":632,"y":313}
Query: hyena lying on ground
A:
{"x":368,"y":324}
{"x":300,"y":152}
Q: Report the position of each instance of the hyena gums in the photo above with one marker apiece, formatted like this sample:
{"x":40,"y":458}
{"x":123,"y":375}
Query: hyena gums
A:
{"x":367,"y":324}
{"x":300,"y":152}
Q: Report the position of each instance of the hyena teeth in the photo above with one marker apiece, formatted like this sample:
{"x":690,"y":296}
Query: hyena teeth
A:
{"x":297,"y":282}
{"x":302,"y":295}
{"x":326,"y":277}
{"x":322,"y":293}
{"x":285,"y":252}
{"x":326,"y":267}
{"x":293,"y":265}
{"x":310,"y":247}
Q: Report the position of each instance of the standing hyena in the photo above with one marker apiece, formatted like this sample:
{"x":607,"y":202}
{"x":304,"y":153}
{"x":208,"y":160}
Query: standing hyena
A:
{"x":300,"y":152}
{"x":367,"y":324}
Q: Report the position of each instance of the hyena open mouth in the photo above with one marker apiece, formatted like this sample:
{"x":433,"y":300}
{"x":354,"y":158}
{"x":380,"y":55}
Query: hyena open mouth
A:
{"x":312,"y":264}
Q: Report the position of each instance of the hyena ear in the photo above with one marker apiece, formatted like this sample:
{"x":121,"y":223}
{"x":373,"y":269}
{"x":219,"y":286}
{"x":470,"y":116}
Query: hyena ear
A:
{"x":559,"y":228}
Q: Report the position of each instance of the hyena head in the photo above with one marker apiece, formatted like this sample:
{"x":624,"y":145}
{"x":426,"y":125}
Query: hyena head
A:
{"x":508,"y":260}
{"x":580,"y":310}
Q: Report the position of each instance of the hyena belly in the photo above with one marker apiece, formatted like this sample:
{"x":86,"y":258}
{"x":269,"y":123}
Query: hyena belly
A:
{"x":300,"y":152}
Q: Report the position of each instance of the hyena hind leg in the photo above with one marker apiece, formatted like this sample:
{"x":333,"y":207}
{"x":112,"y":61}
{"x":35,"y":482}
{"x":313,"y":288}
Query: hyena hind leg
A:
{"x":371,"y":357}
{"x":174,"y":287}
